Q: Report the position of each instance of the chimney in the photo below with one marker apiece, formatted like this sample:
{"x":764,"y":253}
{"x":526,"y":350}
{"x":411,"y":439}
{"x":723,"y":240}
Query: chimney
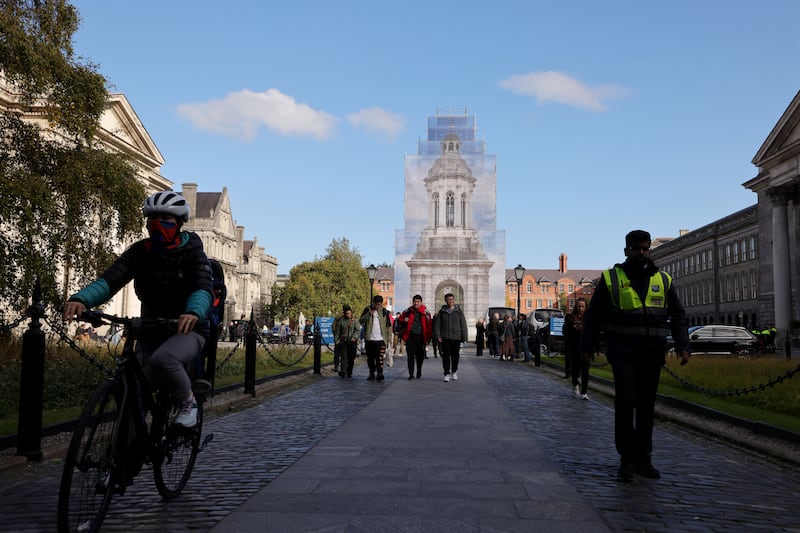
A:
{"x":562,"y":262}
{"x":189,"y":191}
{"x":682,"y":232}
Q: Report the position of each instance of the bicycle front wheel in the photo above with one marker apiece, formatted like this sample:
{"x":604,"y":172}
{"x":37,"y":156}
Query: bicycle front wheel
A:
{"x":175,"y":458}
{"x":86,"y":481}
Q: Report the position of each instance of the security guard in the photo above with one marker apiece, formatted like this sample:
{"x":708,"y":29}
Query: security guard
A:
{"x":637,"y":306}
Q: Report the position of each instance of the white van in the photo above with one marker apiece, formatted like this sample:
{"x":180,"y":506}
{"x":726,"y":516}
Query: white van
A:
{"x":540,"y":318}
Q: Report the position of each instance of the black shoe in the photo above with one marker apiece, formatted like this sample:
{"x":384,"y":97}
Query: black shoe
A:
{"x":371,"y":377}
{"x":410,"y":377}
{"x":380,"y":377}
{"x":419,"y":375}
{"x":341,"y":374}
{"x":625,"y":471}
{"x":646,"y":469}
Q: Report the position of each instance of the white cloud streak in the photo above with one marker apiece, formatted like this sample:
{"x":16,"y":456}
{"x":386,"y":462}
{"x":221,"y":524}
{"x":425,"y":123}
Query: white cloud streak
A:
{"x":552,"y":86}
{"x":378,"y":120}
{"x":240,"y":114}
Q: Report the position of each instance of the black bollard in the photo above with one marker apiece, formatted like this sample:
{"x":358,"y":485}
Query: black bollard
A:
{"x":788,"y":347}
{"x":250,"y":358}
{"x":31,"y":389}
{"x":318,"y":348}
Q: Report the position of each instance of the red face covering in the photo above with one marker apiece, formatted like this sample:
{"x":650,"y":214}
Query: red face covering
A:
{"x":163,"y":234}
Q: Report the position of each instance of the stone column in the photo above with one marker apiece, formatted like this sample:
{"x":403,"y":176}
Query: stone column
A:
{"x":781,"y":267}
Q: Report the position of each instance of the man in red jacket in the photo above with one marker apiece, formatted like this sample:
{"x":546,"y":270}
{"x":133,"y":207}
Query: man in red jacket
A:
{"x":415,"y":328}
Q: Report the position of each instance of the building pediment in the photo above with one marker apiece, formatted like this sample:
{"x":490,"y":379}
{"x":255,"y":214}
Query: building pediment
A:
{"x":121,"y":128}
{"x":783,"y":142}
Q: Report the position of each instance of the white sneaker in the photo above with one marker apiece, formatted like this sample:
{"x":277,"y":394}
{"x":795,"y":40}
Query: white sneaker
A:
{"x":187,"y":414}
{"x":584,"y":396}
{"x":577,"y":391}
{"x":446,"y":378}
{"x":455,"y":376}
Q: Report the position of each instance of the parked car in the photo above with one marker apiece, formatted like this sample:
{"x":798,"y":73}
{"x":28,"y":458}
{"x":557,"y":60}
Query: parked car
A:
{"x":539,"y":321}
{"x":308,"y":334}
{"x":718,"y":338}
{"x":281,"y":334}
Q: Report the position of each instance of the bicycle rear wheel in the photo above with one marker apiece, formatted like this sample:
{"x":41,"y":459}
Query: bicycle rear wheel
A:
{"x":175,"y":458}
{"x":87,"y":479}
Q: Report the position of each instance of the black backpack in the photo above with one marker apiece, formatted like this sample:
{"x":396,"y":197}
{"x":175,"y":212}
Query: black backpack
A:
{"x":215,"y":316}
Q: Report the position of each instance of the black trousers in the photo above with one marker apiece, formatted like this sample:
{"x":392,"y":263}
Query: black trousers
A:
{"x":415,"y":350}
{"x":578,"y":370}
{"x":374,"y":357}
{"x":451,"y":350}
{"x":635,"y":384}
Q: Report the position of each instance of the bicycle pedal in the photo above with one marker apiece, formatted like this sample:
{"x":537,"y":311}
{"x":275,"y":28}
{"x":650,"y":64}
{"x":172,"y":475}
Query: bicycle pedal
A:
{"x":201,"y":387}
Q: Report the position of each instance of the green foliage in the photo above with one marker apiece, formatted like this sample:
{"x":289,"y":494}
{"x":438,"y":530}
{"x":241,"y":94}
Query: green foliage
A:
{"x":65,"y":200}
{"x":321,"y":287}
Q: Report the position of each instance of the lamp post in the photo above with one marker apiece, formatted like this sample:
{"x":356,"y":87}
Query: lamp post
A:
{"x":519,"y":273}
{"x":372,"y":271}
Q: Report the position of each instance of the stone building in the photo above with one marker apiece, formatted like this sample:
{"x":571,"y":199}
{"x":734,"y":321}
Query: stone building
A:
{"x":250,"y":273}
{"x":778,"y":187}
{"x":450,"y":242}
{"x":716,"y":270}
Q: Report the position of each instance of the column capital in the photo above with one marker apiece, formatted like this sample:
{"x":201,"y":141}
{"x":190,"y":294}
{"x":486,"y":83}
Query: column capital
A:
{"x":781,"y":195}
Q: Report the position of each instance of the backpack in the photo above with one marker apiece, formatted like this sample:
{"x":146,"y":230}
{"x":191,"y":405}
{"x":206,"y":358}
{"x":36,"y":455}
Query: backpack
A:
{"x":215,"y":314}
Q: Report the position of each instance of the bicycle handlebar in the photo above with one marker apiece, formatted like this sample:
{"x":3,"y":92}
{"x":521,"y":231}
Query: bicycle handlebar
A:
{"x":98,"y":318}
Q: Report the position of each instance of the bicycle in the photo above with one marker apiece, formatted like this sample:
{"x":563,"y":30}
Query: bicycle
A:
{"x":124,"y":425}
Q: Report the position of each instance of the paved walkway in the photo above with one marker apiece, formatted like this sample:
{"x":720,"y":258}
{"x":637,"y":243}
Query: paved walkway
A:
{"x":424,"y":456}
{"x":505,"y":448}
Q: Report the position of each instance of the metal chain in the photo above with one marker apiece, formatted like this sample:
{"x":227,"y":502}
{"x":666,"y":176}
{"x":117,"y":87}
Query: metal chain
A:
{"x":5,"y":328}
{"x":225,"y":361}
{"x":60,"y":329}
{"x":736,"y":392}
{"x":272,"y":356}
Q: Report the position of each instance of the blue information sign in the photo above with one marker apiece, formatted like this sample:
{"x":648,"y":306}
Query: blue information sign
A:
{"x":324,"y":325}
{"x":557,"y":326}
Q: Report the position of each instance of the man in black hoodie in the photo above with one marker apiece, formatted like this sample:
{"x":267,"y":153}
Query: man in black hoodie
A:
{"x":637,"y":306}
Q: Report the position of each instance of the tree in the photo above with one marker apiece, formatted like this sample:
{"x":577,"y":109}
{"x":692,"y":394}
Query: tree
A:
{"x":323,"y":286}
{"x":65,"y":202}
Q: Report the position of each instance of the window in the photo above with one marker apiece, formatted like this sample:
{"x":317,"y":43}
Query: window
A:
{"x":436,"y":210}
{"x":570,"y":303}
{"x":528,"y":287}
{"x":727,"y":254}
{"x":560,"y":288}
{"x":736,"y":252}
{"x":744,"y":250}
{"x":736,"y":293}
{"x":450,"y":210}
{"x":745,"y":284}
{"x":721,"y":255}
{"x":728,"y":288}
{"x":752,"y":247}
{"x":703,"y":261}
{"x":571,"y":289}
{"x":528,"y":303}
{"x":691,"y":264}
{"x":753,"y":285}
{"x":539,"y":302}
{"x":463,"y":210}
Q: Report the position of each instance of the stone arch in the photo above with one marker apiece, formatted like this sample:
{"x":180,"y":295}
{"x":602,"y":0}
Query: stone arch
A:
{"x":448,"y":286}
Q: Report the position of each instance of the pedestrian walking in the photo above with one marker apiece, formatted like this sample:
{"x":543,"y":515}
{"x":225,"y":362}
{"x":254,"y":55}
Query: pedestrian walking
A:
{"x":573,"y":329}
{"x":493,"y":335}
{"x":637,"y":306}
{"x":416,"y":329}
{"x":480,"y":337}
{"x":345,"y":334}
{"x":523,"y":331}
{"x":509,"y":334}
{"x":377,"y":335}
{"x":450,"y":330}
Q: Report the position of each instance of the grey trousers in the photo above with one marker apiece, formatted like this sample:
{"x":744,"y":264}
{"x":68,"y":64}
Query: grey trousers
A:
{"x":170,"y":363}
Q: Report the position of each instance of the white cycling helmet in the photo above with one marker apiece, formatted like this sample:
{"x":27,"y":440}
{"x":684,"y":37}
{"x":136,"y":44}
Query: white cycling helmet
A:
{"x":168,"y":202}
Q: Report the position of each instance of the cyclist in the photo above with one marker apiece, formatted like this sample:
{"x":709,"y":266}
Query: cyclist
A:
{"x":172,"y":279}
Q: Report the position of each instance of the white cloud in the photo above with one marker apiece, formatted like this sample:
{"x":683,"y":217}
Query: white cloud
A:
{"x":379,"y":120}
{"x":241,"y":113}
{"x":552,"y":86}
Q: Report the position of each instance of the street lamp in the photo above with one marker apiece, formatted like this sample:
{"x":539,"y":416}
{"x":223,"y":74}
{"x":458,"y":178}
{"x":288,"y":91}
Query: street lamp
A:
{"x":519,"y":273}
{"x":372,"y":271}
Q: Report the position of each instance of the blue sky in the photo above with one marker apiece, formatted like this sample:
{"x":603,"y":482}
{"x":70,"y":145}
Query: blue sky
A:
{"x":604,"y":116}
